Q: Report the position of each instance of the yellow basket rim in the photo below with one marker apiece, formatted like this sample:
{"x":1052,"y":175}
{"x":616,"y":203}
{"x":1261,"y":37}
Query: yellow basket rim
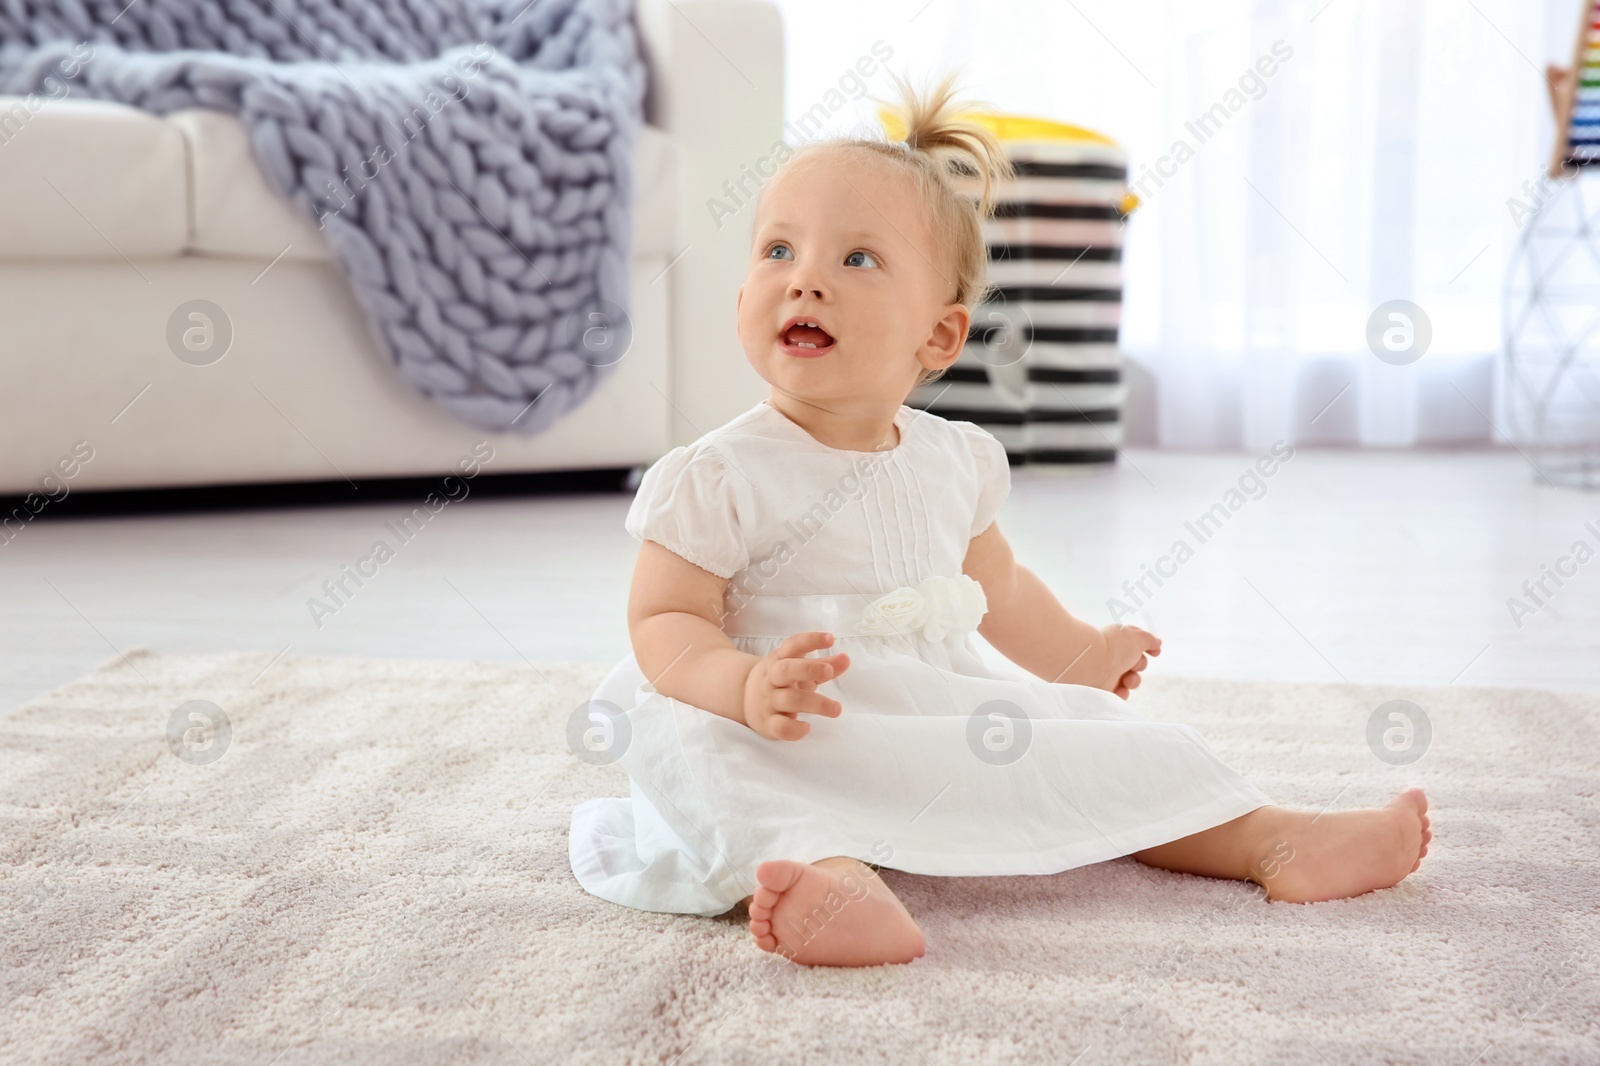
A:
{"x":1011,"y":128}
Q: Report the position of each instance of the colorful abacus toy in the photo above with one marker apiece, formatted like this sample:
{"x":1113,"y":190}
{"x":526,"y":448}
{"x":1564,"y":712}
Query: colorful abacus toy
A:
{"x":1551,"y":334}
{"x":1577,"y":102}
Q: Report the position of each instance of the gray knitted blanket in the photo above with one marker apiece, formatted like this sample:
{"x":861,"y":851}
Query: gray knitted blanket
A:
{"x":469,"y":161}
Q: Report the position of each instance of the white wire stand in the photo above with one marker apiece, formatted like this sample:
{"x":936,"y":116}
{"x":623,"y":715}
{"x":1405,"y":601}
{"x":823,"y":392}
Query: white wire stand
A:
{"x":1551,"y":317}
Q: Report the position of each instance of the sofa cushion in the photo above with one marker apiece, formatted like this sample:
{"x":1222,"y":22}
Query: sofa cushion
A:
{"x":234,"y":212}
{"x":134,"y":185}
{"x":237,"y":214}
{"x":87,"y":179}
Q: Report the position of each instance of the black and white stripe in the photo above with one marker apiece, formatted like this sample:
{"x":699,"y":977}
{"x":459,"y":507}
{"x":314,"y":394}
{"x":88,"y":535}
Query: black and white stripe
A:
{"x":1041,"y":370}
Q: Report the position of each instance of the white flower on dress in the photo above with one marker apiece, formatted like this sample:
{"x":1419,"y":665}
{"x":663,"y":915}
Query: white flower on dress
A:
{"x":938,"y":606}
{"x":956,"y":605}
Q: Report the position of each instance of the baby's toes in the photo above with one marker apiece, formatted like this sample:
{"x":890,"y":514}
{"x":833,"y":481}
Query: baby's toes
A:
{"x":761,"y":903}
{"x":761,"y":930}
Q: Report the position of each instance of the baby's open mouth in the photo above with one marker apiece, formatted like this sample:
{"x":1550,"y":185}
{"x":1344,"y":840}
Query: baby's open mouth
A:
{"x":805,"y":334}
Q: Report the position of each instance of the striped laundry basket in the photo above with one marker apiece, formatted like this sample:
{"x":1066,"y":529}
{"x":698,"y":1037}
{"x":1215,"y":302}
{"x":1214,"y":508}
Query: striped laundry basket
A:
{"x":1041,"y":369}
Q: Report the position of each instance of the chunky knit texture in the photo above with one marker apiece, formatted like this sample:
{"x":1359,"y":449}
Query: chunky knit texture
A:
{"x":467,"y":160}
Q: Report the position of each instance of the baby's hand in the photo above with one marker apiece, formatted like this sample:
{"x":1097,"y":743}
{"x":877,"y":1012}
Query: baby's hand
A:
{"x":1126,"y":647}
{"x":784,"y":684}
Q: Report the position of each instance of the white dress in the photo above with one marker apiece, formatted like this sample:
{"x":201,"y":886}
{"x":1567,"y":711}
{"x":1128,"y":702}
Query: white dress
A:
{"x":938,"y":764}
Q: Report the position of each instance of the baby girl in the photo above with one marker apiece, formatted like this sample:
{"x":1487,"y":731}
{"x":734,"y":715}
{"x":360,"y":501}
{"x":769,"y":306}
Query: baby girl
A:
{"x":806,"y":704}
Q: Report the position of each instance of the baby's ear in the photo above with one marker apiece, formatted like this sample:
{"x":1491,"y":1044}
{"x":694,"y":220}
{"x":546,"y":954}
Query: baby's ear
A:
{"x":950,"y":332}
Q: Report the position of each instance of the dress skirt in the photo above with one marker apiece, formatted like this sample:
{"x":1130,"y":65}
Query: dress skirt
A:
{"x":937,"y":765}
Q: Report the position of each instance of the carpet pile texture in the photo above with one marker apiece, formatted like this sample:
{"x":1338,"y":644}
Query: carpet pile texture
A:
{"x":366,"y":861}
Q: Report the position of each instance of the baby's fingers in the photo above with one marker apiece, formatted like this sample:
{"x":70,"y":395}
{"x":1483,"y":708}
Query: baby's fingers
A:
{"x":785,"y":727}
{"x":816,"y":703}
{"x":800,"y":643}
{"x":840,"y":661}
{"x":800,"y":701}
{"x":795,"y":671}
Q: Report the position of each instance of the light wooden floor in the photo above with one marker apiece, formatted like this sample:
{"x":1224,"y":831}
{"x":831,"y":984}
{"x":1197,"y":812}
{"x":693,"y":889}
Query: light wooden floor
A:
{"x":1362,"y":565}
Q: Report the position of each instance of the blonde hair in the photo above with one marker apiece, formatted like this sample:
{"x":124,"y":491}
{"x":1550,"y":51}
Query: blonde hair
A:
{"x":941,"y":154}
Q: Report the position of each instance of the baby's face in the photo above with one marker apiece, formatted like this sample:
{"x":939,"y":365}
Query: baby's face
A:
{"x":843,"y":244}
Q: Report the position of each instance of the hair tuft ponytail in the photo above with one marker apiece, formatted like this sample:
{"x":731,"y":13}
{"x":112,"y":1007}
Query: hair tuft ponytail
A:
{"x":933,"y":127}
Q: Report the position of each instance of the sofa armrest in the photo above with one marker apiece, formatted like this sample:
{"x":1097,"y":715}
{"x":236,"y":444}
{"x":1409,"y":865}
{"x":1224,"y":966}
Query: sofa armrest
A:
{"x":716,"y":86}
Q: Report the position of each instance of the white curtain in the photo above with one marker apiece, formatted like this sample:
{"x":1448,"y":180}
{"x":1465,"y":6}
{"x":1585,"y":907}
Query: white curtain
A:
{"x":1357,"y":152}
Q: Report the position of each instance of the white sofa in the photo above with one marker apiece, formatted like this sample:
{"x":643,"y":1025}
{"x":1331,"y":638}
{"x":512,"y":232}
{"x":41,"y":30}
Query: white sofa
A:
{"x":112,"y":218}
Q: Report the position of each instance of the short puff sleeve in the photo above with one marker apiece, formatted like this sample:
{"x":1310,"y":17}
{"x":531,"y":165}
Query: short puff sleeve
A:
{"x":994,"y":474}
{"x":685,"y":503}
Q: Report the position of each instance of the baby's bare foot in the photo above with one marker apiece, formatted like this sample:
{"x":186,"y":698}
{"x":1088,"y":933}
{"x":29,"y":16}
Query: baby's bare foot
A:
{"x":834,"y":913}
{"x":1345,"y":853}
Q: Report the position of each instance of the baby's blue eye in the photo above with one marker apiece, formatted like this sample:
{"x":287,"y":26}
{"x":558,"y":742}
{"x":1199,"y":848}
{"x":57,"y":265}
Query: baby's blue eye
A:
{"x":772,"y":253}
{"x":860,"y":259}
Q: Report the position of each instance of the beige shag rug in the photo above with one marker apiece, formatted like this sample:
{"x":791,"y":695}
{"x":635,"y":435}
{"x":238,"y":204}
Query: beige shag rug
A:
{"x":368,"y":863}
